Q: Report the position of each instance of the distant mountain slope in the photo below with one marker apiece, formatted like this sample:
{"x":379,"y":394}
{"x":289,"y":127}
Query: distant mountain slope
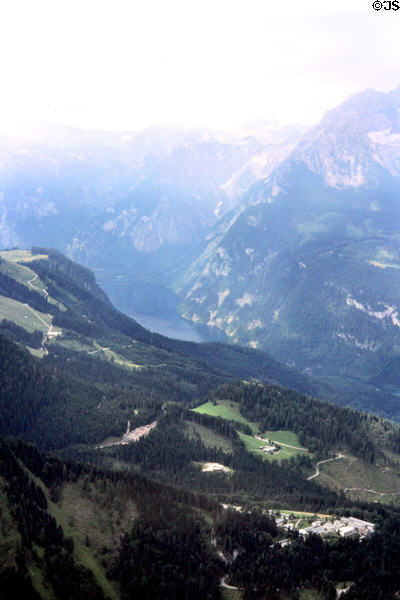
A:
{"x":97,"y":368}
{"x":308,"y":269}
{"x":84,"y":192}
{"x":54,"y":307}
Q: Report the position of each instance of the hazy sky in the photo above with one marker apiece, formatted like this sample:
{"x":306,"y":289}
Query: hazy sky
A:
{"x":119,"y":64}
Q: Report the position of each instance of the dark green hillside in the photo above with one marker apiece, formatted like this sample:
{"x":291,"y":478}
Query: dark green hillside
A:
{"x":62,"y":524}
{"x":60,"y":274}
{"x":98,"y":368}
{"x":71,"y":531}
{"x":330,"y":428}
{"x":310,"y":273}
{"x":68,"y":298}
{"x":100,"y":344}
{"x":171,"y":455}
{"x":310,"y":567}
{"x":54,"y":410}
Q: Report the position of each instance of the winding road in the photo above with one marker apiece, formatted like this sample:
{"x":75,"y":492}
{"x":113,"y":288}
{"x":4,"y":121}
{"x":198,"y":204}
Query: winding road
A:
{"x":357,"y":489}
{"x":49,"y":328}
{"x":226,"y":585}
{"x":322,"y":462}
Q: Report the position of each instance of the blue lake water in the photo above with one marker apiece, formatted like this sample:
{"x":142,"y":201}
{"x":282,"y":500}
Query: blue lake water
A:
{"x":157,"y":309}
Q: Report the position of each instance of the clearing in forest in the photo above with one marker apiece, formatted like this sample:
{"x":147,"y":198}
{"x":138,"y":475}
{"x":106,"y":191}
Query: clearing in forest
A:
{"x":287,"y":440}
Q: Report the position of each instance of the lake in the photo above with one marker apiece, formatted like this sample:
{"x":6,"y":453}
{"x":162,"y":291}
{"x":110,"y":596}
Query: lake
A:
{"x":157,"y":309}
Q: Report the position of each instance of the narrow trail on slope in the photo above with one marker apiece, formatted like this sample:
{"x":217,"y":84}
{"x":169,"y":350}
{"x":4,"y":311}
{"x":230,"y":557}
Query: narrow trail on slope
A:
{"x":29,"y":283}
{"x":356,"y":489}
{"x":340,"y":455}
{"x":31,"y":280}
{"x":49,"y":328}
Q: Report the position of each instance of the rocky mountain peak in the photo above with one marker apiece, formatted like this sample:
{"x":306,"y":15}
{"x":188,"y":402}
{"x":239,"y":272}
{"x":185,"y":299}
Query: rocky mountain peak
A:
{"x":356,"y":143}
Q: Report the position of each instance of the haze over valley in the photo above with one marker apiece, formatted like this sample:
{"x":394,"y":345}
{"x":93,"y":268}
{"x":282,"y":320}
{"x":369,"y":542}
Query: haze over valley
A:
{"x":254,"y":240}
{"x":199,"y":300}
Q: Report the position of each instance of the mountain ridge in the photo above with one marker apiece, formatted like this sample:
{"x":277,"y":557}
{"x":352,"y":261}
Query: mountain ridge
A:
{"x":301,"y":268}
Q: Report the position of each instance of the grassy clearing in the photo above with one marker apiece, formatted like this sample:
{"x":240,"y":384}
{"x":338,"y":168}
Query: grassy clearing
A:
{"x":29,"y":278}
{"x":23,"y":316}
{"x":75,"y":345}
{"x":79,"y":517}
{"x":38,"y":352}
{"x":21,"y":255}
{"x":284,"y":437}
{"x":99,"y":514}
{"x":81,"y":512}
{"x":226,"y":410}
{"x":351,"y":472}
{"x":112,"y":356}
{"x":300,"y":514}
{"x":43,"y":588}
{"x":210,"y":438}
{"x":253,"y":445}
{"x":18,"y":272}
{"x":230,"y":410}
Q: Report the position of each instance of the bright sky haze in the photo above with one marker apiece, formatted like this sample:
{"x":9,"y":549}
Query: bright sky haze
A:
{"x":125,"y":65}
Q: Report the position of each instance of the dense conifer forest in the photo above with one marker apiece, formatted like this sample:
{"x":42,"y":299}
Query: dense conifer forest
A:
{"x":145,"y":519}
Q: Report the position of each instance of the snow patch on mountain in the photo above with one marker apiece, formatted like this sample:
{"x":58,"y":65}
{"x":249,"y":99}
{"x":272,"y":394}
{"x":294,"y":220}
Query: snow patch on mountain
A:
{"x":276,"y":190}
{"x":256,"y":324}
{"x":196,"y":286}
{"x":245,"y":299}
{"x":390,"y":312}
{"x":212,"y":321}
{"x":275,"y":315}
{"x":350,"y":175}
{"x":254,"y":344}
{"x":374,"y":206}
{"x":46,"y":209}
{"x":385,"y":137}
{"x":222,"y":296}
{"x":109,"y":226}
{"x":253,"y":221}
{"x":352,"y":340}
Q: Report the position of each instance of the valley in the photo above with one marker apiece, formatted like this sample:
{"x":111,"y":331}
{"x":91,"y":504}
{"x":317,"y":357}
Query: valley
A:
{"x":199,"y":362}
{"x":156,"y":309}
{"x":253,"y":241}
{"x":208,"y":429}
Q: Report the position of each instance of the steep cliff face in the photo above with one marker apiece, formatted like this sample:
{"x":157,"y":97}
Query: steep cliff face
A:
{"x":80,"y":191}
{"x":309,"y":265}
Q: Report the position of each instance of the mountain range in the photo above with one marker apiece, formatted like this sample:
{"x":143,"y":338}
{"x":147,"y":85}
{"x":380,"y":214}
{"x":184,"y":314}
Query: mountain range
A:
{"x":134,"y":466}
{"x":308,"y":265}
{"x":284,"y":240}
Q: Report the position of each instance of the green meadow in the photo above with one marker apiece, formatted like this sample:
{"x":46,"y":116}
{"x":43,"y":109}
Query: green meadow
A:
{"x":288,"y":440}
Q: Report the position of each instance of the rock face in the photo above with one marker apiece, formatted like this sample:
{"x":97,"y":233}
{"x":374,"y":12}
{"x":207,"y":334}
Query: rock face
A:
{"x":308,"y":265}
{"x":84,"y":192}
{"x":286,"y":240}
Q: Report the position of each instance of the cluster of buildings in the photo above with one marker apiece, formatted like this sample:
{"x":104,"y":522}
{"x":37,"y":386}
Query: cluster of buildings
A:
{"x":344,"y":526}
{"x":270,"y":448}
